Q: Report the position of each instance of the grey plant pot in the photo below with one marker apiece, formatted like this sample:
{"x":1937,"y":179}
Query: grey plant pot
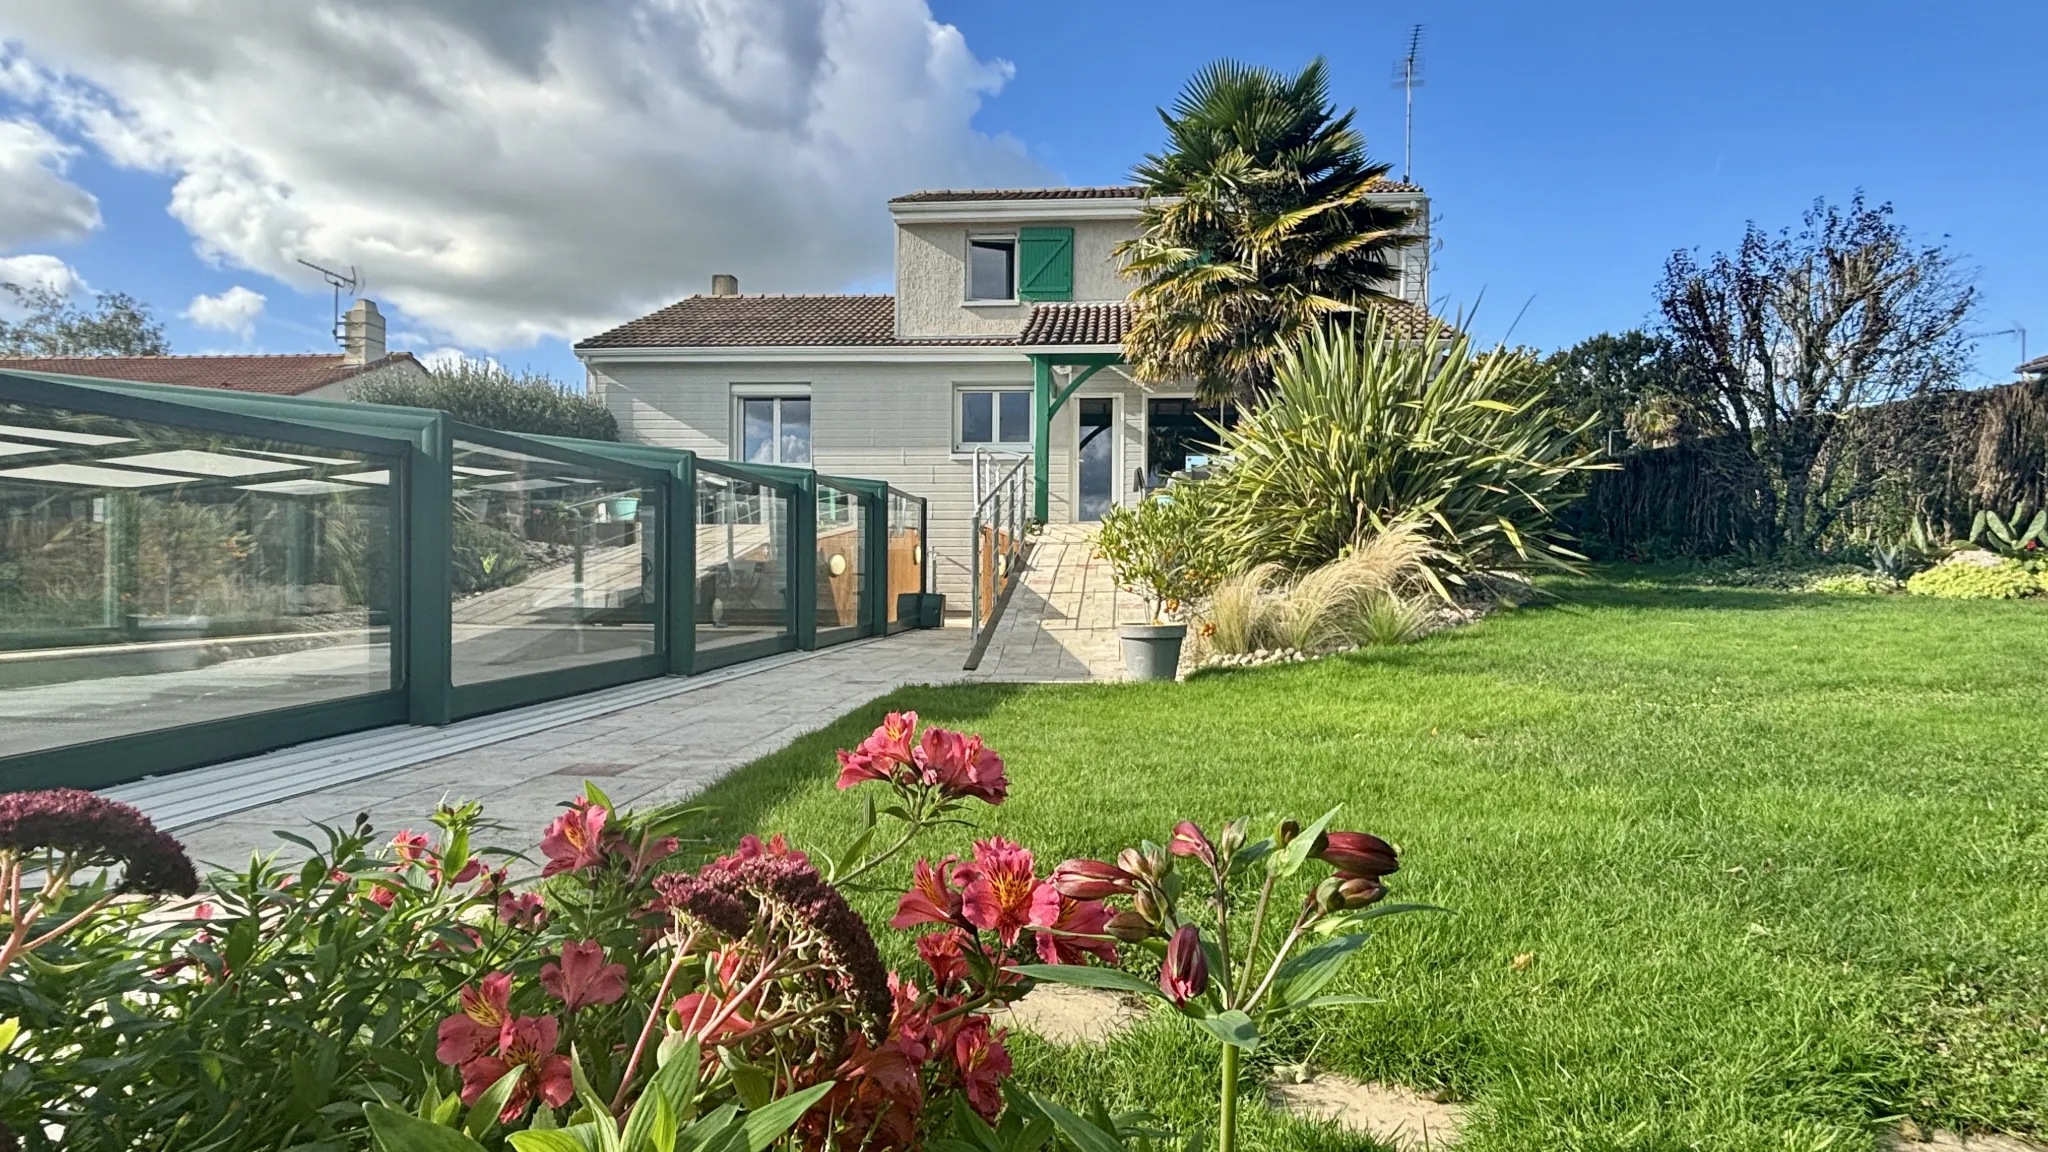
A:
{"x":1152,"y":651}
{"x":159,"y":629}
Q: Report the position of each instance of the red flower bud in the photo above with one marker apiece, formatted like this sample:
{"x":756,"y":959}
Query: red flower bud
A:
{"x":1357,"y":854}
{"x":1091,"y":880}
{"x":1189,"y":840}
{"x":1130,"y":928}
{"x":1186,"y":972}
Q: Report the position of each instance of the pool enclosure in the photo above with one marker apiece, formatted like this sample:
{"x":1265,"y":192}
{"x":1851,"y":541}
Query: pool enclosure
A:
{"x":188,"y":575}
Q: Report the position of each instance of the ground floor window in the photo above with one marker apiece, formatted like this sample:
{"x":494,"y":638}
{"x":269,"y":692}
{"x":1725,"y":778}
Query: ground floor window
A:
{"x":1179,"y":436}
{"x":775,"y":430}
{"x":993,"y":417}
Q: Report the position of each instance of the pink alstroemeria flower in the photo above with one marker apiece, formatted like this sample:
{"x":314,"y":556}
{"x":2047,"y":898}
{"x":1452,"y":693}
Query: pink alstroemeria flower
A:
{"x":1185,"y":974}
{"x":473,"y":1031}
{"x":1092,"y":880}
{"x":997,"y":897}
{"x":582,"y":977}
{"x":942,"y":952}
{"x":984,"y":1064}
{"x":576,"y":839}
{"x":960,"y":766}
{"x":527,"y":1042}
{"x":1054,"y":914}
{"x":933,"y":897}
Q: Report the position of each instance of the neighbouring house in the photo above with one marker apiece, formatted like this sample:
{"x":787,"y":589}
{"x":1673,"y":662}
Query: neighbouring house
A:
{"x":1004,"y":337}
{"x":2035,"y":369}
{"x":320,"y":375}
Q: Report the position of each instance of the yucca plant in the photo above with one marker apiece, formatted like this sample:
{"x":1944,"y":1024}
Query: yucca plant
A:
{"x":1365,"y":429}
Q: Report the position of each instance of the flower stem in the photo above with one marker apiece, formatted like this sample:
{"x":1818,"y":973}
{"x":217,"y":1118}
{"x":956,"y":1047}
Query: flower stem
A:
{"x":1226,"y":1117}
{"x":873,"y":862}
{"x":654,"y":1012}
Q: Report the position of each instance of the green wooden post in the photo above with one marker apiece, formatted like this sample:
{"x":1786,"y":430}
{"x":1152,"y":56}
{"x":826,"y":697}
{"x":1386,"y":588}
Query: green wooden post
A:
{"x":1041,"y":438}
{"x":875,"y":542}
{"x":803,"y":562}
{"x":678,"y":525}
{"x":427,"y":501}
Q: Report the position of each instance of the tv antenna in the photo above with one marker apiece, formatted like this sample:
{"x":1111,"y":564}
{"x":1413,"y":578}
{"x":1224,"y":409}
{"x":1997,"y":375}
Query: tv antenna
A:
{"x":1408,"y":77}
{"x":2015,"y":330}
{"x":353,"y":282}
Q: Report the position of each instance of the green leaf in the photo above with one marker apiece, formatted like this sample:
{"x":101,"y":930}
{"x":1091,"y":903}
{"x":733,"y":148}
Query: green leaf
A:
{"x":9,"y":1029}
{"x":395,"y":1131}
{"x":1233,"y":1028}
{"x":764,"y":1126}
{"x":710,"y":1131}
{"x":600,"y":1112}
{"x":651,"y":1118}
{"x":582,"y":1138}
{"x":1084,"y":977}
{"x":1080,"y":1133}
{"x":1307,"y":973}
{"x":677,"y":1078}
{"x":1331,"y":1001}
{"x":1250,"y":854}
{"x":1289,"y":860}
{"x":483,"y":1115}
{"x":1348,"y":922}
{"x":596,"y":795}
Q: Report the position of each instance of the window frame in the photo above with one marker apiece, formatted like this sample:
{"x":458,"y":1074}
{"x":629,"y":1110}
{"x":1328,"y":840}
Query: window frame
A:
{"x":964,"y":447}
{"x":776,"y":398}
{"x":967,"y":296}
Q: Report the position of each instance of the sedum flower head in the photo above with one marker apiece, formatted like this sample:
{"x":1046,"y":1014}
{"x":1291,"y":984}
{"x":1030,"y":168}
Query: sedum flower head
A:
{"x":100,"y":832}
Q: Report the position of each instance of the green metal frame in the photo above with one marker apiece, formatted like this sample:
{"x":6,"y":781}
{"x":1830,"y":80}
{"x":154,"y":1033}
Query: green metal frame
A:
{"x":1044,"y":404}
{"x":420,"y":444}
{"x":904,"y":622}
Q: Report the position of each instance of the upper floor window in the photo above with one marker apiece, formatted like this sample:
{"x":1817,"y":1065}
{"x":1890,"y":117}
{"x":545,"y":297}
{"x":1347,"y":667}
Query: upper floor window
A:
{"x":776,"y":430}
{"x":991,"y":268}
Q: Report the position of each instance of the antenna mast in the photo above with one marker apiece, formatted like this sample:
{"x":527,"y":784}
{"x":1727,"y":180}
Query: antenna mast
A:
{"x":1408,"y":77}
{"x":335,"y":280}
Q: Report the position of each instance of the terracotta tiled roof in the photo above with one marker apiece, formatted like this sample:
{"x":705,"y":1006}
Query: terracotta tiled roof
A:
{"x":274,"y":375}
{"x":1054,"y":324}
{"x":758,"y":320}
{"x":1076,"y":324}
{"x":1107,"y":192}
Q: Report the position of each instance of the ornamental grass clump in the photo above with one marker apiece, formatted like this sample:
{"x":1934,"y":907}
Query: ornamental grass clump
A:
{"x":1373,"y":594}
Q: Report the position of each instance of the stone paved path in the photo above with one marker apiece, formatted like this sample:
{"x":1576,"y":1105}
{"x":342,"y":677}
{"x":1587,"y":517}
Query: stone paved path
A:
{"x":1060,"y":626}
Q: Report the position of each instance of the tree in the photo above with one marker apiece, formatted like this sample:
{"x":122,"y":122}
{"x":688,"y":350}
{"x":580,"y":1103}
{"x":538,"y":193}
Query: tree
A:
{"x":116,"y":325}
{"x":1260,"y":228}
{"x":485,"y":394}
{"x":1781,"y":340}
{"x":1623,"y":387}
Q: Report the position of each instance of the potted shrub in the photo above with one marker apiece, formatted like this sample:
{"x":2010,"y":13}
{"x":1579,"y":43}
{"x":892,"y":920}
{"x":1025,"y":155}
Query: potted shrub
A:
{"x":1158,"y":551}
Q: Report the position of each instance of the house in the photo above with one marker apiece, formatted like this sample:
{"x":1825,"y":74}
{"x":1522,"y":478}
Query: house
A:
{"x":1004,"y":333}
{"x":2035,"y":369}
{"x":321,"y":375}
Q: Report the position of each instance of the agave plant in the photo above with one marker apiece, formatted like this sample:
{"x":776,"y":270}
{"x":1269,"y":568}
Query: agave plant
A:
{"x":2011,"y":536}
{"x":1365,"y":429}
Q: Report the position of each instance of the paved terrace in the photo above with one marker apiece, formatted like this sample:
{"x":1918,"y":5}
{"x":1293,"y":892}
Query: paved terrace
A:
{"x":645,"y":743}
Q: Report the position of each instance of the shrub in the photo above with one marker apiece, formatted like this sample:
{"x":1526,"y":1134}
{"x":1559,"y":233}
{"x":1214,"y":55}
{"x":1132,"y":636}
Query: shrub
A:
{"x":1965,"y":580}
{"x":1163,"y":549}
{"x":1859,"y":584}
{"x":482,"y":393}
{"x":1365,"y":429}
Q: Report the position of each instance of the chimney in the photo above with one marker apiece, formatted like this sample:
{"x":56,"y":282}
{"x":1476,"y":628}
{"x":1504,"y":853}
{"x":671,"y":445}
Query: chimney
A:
{"x":724,"y":284}
{"x":362,"y":334}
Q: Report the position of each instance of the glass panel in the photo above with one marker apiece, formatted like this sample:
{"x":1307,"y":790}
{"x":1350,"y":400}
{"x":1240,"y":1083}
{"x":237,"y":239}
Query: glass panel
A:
{"x":977,"y":417}
{"x":796,"y":432}
{"x":842,"y":557}
{"x":906,"y":555}
{"x":758,"y":420}
{"x":153,"y":576}
{"x":1016,"y":417}
{"x":553,"y":566}
{"x":1098,"y":457}
{"x":742,"y":562}
{"x":991,"y":273}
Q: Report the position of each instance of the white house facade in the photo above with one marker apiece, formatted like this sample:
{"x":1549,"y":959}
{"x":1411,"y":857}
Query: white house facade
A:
{"x":1005,"y":331}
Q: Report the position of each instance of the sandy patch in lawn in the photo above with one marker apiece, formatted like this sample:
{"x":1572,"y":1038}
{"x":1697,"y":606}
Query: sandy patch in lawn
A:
{"x":1388,"y":1113}
{"x":1065,"y":1014}
{"x":1913,"y":1139}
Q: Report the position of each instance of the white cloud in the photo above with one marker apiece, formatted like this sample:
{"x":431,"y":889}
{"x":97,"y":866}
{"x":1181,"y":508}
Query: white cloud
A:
{"x":234,"y":310}
{"x":504,"y":170}
{"x":34,"y":270}
{"x":36,"y":201}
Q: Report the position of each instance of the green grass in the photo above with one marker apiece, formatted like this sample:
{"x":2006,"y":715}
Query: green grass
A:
{"x":1780,"y":860}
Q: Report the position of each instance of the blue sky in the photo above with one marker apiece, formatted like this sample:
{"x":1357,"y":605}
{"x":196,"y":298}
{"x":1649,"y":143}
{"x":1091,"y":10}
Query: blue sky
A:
{"x":1569,"y":147}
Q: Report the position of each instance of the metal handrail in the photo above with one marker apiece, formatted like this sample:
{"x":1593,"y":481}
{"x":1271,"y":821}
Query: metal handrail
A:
{"x":1000,"y":501}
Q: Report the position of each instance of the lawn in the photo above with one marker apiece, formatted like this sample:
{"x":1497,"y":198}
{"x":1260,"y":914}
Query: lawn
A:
{"x":1774,"y":865}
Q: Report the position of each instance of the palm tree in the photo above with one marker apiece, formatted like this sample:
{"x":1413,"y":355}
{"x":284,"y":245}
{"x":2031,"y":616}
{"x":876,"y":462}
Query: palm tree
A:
{"x":1260,"y":228}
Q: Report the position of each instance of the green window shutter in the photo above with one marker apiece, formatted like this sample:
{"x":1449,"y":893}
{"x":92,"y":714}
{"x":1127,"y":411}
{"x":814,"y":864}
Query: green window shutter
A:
{"x":1045,"y":263}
